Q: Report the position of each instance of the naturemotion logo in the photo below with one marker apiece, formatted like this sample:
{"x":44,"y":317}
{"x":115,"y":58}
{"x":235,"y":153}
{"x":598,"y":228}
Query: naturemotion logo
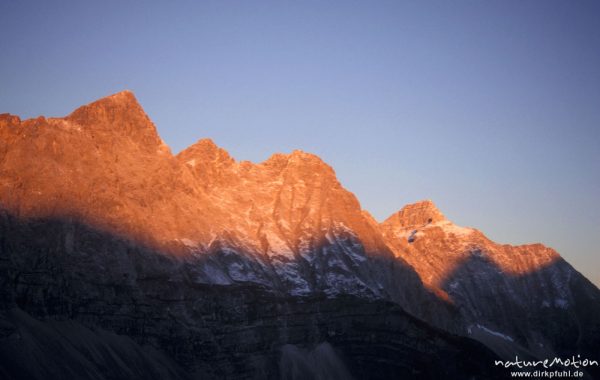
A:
{"x":548,"y":363}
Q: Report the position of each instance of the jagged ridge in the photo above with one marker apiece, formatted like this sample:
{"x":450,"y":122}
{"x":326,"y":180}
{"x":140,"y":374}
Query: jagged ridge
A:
{"x":286,"y":224}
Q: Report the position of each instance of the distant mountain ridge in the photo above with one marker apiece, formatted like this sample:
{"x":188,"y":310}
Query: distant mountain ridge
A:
{"x":285,"y":225}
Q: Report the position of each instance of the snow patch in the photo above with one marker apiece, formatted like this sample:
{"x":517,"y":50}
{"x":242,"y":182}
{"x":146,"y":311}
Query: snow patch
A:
{"x":489,"y":331}
{"x":189,"y":243}
{"x":278,"y":247}
{"x":451,"y":228}
{"x":215,"y":275}
{"x":356,"y":252}
{"x":288,"y":273}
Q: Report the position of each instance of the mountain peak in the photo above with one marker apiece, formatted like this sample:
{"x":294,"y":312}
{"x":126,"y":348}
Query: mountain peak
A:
{"x":417,"y":214}
{"x":9,"y":119}
{"x":299,"y":154}
{"x":120,"y":101}
{"x":125,"y":96}
{"x":118,"y":113}
{"x":204,"y":151}
{"x":210,"y":163}
{"x":299,"y":160}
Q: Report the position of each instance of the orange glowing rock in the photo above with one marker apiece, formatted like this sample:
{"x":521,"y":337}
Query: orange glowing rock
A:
{"x":435,"y":247}
{"x":106,"y":165}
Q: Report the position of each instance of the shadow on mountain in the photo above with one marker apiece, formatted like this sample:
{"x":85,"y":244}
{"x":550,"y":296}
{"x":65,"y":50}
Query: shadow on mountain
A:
{"x":523,"y":314}
{"x":329,"y":268}
{"x":78,"y":302}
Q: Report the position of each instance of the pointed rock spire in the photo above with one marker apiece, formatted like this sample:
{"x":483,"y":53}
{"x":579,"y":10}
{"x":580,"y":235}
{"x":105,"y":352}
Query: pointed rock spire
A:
{"x":118,"y":113}
{"x":209,"y":162}
{"x":109,"y":108}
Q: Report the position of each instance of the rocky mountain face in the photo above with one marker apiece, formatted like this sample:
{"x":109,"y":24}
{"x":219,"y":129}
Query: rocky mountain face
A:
{"x":286,"y":223}
{"x":291,"y":226}
{"x":82,"y":303}
{"x":510,"y":297}
{"x":121,"y":260}
{"x":104,"y":164}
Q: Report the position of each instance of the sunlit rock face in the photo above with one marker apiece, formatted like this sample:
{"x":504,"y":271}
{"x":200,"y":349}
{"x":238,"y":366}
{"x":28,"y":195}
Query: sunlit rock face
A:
{"x":104,"y":164}
{"x":286,"y":223}
{"x":508,"y":296}
{"x":301,"y":230}
{"x":188,"y":255}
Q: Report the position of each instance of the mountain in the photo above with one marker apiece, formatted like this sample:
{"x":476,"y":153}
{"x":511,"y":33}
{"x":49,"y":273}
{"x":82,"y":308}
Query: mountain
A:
{"x":104,"y":164}
{"x":291,"y":226}
{"x":509,"y":297}
{"x":286,"y":223}
{"x":127,"y":261}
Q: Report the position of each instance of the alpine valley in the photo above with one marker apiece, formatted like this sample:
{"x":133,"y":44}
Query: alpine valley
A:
{"x":120,"y":260}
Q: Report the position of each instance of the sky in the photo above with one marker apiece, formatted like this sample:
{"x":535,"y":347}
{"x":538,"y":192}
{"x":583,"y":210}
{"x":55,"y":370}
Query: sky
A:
{"x":489,"y":108}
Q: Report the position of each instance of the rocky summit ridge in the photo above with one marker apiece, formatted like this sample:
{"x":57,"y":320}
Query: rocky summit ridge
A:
{"x":285,"y":225}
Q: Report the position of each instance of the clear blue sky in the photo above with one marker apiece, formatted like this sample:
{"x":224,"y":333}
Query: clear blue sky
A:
{"x":491,"y":109}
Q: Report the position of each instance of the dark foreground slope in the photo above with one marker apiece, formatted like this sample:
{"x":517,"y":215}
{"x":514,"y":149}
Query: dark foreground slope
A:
{"x":80,"y":303}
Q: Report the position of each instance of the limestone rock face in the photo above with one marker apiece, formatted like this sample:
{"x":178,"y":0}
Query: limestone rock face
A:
{"x":188,"y":255}
{"x":86,"y":304}
{"x":103,"y":164}
{"x":508,"y":296}
{"x":294,"y":217}
{"x":118,"y":115}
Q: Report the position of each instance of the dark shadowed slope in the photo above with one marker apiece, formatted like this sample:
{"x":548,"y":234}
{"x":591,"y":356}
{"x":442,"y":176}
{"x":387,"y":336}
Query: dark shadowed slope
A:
{"x":80,"y":287}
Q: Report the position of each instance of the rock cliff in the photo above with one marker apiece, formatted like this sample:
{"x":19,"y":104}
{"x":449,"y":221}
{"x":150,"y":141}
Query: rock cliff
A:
{"x":122,"y":260}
